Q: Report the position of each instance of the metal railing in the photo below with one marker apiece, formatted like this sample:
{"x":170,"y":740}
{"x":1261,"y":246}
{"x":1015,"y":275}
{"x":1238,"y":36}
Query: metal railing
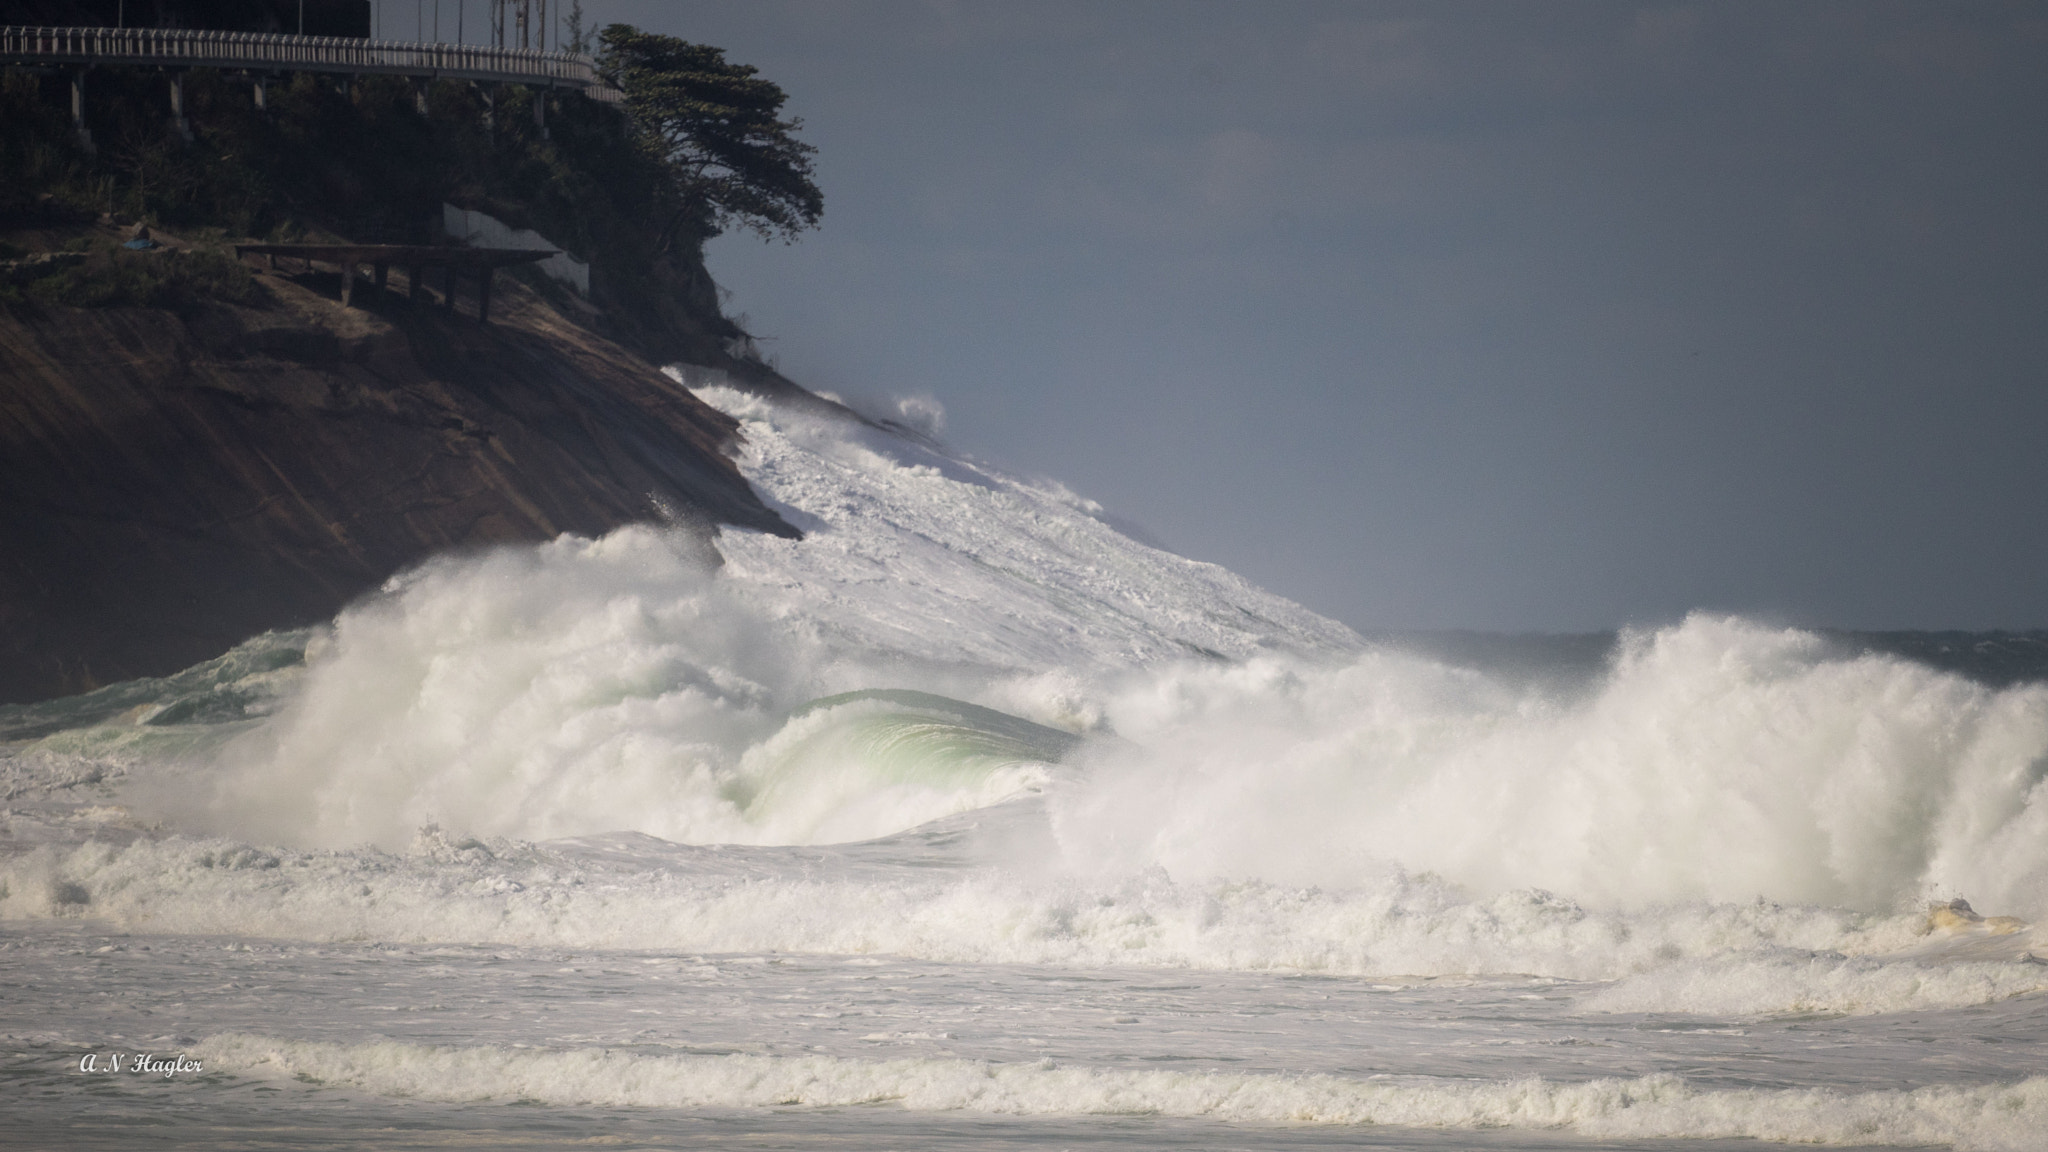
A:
{"x":271,"y":52}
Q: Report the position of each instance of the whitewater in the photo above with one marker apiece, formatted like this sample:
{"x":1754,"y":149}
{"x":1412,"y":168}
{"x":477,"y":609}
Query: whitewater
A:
{"x":970,"y":821}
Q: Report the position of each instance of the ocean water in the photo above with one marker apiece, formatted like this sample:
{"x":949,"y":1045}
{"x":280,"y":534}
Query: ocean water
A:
{"x":971,"y":822}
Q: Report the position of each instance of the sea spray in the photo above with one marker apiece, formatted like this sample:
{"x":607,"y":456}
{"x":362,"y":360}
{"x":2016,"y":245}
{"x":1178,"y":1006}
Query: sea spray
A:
{"x":577,"y":686}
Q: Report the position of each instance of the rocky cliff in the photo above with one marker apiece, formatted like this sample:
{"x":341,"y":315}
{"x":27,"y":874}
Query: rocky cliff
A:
{"x":173,"y":481}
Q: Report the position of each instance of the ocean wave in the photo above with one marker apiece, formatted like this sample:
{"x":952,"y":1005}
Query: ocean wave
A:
{"x":1991,"y":1118}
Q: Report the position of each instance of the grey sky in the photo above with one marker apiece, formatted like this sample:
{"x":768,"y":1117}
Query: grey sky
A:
{"x":1509,"y":315}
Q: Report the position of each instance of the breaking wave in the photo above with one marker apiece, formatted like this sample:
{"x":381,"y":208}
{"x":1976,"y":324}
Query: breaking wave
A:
{"x":1717,"y":760}
{"x":1136,"y":758}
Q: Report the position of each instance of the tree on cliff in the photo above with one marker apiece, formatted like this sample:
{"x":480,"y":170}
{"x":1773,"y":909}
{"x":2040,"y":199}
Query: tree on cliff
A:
{"x":714,"y":127}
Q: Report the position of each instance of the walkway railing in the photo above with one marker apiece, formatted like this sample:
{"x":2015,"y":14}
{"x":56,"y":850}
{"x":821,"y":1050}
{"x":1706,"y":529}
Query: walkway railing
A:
{"x":269,"y":52}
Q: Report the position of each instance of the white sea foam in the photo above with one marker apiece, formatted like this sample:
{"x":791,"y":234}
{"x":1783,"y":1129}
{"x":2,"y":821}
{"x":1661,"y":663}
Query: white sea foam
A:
{"x":1784,"y":982}
{"x":1992,"y":1117}
{"x":942,"y":561}
{"x":921,"y":897}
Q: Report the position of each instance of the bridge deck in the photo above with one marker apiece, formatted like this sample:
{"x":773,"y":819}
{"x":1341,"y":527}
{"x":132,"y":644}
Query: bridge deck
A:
{"x":401,"y":254}
{"x":482,"y":262}
{"x":270,"y":52}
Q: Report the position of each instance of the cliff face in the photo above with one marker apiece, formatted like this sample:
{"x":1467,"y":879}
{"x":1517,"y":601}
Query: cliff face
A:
{"x":173,"y":483}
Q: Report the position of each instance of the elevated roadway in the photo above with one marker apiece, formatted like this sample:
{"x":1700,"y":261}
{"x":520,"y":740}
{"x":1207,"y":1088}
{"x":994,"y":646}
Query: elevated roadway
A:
{"x":263,"y":54}
{"x":260,"y":52}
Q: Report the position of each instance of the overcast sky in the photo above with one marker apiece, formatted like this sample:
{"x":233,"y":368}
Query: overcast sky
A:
{"x":1521,"y":316}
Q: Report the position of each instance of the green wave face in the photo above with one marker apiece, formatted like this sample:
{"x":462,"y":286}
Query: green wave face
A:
{"x":868,"y":763}
{"x":195,"y":710}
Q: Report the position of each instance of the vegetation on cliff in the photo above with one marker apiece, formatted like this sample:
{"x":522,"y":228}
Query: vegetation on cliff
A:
{"x":93,"y":273}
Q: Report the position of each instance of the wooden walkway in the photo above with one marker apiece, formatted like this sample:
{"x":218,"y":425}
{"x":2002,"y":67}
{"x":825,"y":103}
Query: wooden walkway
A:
{"x":262,"y":52}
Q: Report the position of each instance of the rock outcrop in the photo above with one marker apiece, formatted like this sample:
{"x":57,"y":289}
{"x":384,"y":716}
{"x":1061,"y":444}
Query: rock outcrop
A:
{"x":172,"y":483}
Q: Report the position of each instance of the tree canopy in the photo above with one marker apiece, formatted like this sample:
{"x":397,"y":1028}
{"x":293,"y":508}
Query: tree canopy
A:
{"x":715,"y":128}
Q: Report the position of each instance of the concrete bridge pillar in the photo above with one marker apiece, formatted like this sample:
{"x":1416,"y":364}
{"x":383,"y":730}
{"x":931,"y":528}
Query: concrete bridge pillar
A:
{"x":262,"y":94}
{"x":178,"y":120}
{"x":420,"y":85}
{"x":78,"y":110}
{"x":540,"y":111}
